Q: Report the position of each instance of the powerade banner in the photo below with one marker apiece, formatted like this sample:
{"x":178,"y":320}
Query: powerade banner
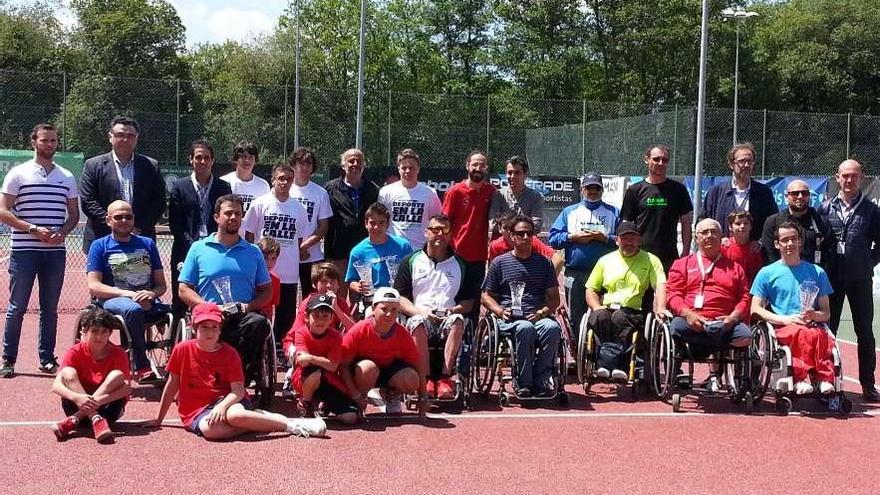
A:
{"x":10,"y":158}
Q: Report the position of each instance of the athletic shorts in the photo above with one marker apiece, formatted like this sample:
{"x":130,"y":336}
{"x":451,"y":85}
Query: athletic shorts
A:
{"x":194,"y":426}
{"x":111,"y":411}
{"x":437,"y":332}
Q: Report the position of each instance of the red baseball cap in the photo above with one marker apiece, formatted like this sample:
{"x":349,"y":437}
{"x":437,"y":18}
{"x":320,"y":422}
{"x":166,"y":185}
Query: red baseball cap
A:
{"x":206,"y":312}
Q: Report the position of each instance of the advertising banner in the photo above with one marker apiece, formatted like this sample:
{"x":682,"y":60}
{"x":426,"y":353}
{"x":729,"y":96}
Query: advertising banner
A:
{"x":10,"y":158}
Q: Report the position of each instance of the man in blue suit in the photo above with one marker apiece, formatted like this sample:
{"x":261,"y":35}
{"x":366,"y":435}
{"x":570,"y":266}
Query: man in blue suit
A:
{"x":123,"y":175}
{"x":191,"y":210}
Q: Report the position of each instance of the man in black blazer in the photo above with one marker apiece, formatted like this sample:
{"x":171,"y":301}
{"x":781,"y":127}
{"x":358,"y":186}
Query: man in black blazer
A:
{"x":191,"y":210}
{"x":124,"y":175}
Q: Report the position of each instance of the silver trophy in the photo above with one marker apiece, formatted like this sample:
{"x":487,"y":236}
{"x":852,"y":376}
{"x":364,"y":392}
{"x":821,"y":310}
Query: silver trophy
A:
{"x":365,"y":272}
{"x":516,"y":296}
{"x":809,"y":290}
{"x":392,"y":265}
{"x":223,"y":286}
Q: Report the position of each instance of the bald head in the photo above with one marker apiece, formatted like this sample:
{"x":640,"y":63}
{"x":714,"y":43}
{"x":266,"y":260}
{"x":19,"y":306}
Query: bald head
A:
{"x":117,"y":205}
{"x":707,"y":223}
{"x":120,"y":219}
{"x":849,"y":177}
{"x":797,"y":195}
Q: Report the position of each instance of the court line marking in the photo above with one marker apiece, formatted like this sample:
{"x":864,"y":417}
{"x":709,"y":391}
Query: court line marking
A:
{"x":876,"y":349}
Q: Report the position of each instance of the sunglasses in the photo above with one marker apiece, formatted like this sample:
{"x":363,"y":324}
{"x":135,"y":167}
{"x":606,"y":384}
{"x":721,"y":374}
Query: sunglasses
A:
{"x":799,"y":193}
{"x":522,"y":233}
{"x":438,"y":230}
{"x":122,"y":217}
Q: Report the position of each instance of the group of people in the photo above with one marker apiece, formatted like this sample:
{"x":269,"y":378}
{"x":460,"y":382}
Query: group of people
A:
{"x":361,"y":259}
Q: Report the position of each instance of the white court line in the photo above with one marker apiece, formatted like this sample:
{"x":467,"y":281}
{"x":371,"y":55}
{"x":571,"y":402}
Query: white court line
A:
{"x":876,"y":349}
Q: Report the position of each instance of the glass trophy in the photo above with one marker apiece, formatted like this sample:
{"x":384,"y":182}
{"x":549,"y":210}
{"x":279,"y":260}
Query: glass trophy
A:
{"x":809,"y":290}
{"x":392,"y":265}
{"x":516,"y":295}
{"x":223,"y":286}
{"x":365,"y":272}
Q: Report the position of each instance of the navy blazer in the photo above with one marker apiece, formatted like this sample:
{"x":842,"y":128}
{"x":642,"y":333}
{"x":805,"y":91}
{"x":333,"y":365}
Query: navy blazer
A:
{"x":99,"y":186}
{"x":721,"y":202}
{"x":184,"y":214}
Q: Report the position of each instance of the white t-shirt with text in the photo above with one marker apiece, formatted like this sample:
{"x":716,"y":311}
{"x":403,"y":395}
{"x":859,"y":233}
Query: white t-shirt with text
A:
{"x":411,"y":210}
{"x":286,"y":221}
{"x":316,"y":201}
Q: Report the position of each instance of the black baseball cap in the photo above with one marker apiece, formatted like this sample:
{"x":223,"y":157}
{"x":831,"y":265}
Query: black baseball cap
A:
{"x":320,"y":301}
{"x":591,"y":179}
{"x":627,"y":227}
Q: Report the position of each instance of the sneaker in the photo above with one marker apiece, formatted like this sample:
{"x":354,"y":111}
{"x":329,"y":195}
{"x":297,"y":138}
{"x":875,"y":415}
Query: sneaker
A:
{"x":49,"y":367}
{"x":145,"y":376}
{"x":287,"y":392}
{"x":101,"y":429}
{"x":431,"y":389}
{"x":826,"y":388}
{"x":619,"y":375}
{"x":306,"y":427}
{"x":870,"y":393}
{"x":306,"y":408}
{"x":714,"y":384}
{"x":544,"y":392}
{"x":8,"y":370}
{"x":602,"y":373}
{"x":445,"y":389}
{"x":65,"y":427}
{"x":375,"y":398}
{"x":803,"y":388}
{"x":523,"y":392}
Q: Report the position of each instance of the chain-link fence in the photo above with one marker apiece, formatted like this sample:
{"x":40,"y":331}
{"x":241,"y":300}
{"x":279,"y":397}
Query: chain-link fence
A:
{"x":559,"y":137}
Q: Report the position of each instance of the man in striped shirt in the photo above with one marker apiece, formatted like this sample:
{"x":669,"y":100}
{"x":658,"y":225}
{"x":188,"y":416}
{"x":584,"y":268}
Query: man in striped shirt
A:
{"x":39,"y":203}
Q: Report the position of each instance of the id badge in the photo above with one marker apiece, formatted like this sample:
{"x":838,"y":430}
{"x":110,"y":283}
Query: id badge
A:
{"x":698,"y":301}
{"x":817,"y":257}
{"x":841,"y":247}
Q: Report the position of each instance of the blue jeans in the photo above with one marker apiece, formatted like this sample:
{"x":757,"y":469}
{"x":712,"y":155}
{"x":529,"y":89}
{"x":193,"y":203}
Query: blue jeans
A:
{"x":48,"y":268}
{"x":536,"y":345}
{"x":134,"y":316}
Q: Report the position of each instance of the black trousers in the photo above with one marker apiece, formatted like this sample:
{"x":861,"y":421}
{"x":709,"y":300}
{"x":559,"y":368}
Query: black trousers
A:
{"x":616,"y":326}
{"x":861,"y":303}
{"x":305,"y":279}
{"x":285,"y":311}
{"x":247,"y":333}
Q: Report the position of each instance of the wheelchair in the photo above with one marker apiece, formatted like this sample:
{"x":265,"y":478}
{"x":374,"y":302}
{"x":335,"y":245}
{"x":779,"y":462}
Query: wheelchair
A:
{"x":743,"y":371}
{"x":160,"y":338}
{"x":494,"y":357}
{"x":780,"y":375}
{"x":436,"y":349}
{"x":264,"y":383}
{"x":587,"y":357}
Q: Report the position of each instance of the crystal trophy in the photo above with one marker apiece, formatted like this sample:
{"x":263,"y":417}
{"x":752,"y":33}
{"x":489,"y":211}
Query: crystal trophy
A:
{"x":809,"y":290}
{"x":223,"y":286}
{"x":365,"y":272}
{"x":392,"y":265}
{"x":516,"y":295}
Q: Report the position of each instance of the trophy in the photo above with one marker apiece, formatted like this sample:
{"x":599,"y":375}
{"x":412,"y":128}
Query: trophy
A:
{"x":392,"y":265}
{"x":365,"y":272}
{"x":808,"y":291}
{"x":223,"y":286}
{"x":516,"y":295}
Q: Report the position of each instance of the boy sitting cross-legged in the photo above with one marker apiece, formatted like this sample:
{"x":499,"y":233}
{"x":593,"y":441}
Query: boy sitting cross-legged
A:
{"x":206,"y":377}
{"x":94,"y":379}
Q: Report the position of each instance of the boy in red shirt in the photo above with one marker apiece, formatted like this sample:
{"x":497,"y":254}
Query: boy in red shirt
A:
{"x":94,"y":379}
{"x":326,"y":279}
{"x":316,"y":363}
{"x":504,"y":243}
{"x":271,"y":249}
{"x":206,"y":377}
{"x":739,"y":247}
{"x":379,"y":352}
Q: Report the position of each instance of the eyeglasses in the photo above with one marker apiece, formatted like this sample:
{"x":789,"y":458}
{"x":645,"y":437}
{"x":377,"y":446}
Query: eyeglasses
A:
{"x":708,"y":232}
{"x":788,"y":240}
{"x":438,"y":230}
{"x":799,"y":193}
{"x":744,"y":161}
{"x":522,"y":233}
{"x":123,"y":135}
{"x":122,"y":217}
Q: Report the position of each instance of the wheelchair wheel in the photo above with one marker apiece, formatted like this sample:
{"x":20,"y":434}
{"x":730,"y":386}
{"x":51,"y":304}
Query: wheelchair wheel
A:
{"x":264,"y":390}
{"x":483,"y":357}
{"x":762,"y":353}
{"x":159,"y":342}
{"x":661,"y":351}
{"x":584,"y":352}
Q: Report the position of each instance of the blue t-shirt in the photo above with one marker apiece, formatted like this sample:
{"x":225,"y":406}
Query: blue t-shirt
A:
{"x":125,"y":265}
{"x":381,"y":257}
{"x":536,"y":271}
{"x":209,"y":260}
{"x":779,"y":284}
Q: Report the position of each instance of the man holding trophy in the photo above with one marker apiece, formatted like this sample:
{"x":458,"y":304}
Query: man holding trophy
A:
{"x":792,"y":295}
{"x":521,"y":289}
{"x":225,"y":269}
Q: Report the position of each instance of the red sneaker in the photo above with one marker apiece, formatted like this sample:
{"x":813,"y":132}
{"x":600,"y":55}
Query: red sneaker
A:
{"x":431,"y":389}
{"x":445,"y":389}
{"x":64,"y":427}
{"x":101,"y":428}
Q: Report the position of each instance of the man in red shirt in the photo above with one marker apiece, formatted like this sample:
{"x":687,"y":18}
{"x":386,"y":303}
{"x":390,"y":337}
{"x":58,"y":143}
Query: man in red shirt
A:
{"x":379,"y":352}
{"x":467,"y":206}
{"x":94,"y":379}
{"x":709,"y":295}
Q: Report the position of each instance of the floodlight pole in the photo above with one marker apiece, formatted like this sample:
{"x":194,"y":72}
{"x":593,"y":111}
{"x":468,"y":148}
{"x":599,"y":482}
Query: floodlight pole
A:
{"x":701,"y":114}
{"x":737,"y":15}
{"x":296,"y":109}
{"x":359,"y":127}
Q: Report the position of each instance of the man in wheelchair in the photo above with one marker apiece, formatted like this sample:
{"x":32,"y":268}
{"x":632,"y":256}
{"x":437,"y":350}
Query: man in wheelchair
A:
{"x":708,"y":295}
{"x":126,"y":278}
{"x":792,"y":295}
{"x":522,"y":291}
{"x":225,"y":269}
{"x":436,"y":292}
{"x":623,"y":276}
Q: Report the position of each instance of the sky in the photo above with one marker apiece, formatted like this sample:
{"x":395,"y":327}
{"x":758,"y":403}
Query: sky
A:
{"x":214,"y":21}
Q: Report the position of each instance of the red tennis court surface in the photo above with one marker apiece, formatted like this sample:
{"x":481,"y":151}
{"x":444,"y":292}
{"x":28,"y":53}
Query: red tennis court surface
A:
{"x":600,"y":444}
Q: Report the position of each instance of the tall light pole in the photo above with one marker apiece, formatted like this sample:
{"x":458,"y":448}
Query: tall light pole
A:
{"x":296,"y":109}
{"x":359,"y":127}
{"x":701,"y":114}
{"x":737,"y":15}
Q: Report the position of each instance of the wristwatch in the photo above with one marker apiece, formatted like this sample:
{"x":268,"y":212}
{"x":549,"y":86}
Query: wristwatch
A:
{"x":32,"y":229}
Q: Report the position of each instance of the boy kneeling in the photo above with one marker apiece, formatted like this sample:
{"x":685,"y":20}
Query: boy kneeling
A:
{"x":94,"y":379}
{"x":206,"y":377}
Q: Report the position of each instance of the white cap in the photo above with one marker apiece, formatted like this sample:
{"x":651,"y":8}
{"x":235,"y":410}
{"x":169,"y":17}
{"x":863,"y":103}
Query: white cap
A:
{"x":386,"y":294}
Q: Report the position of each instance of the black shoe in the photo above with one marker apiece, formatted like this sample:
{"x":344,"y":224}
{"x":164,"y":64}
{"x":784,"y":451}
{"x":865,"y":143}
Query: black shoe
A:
{"x":49,"y":367}
{"x":8,"y":370}
{"x":524,"y":392}
{"x":870,"y":394}
{"x":544,"y":392}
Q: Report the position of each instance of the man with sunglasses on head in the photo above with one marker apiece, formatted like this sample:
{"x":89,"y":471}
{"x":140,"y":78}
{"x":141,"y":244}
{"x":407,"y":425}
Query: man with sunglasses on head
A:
{"x":657,"y":205}
{"x":126,"y":278}
{"x":818,"y":244}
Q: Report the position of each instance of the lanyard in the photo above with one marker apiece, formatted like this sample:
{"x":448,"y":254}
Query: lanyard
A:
{"x":704,"y":273}
{"x":841,"y":211}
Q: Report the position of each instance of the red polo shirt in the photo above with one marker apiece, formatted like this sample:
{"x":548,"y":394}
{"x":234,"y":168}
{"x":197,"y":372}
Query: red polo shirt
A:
{"x":468,"y":212}
{"x":726,"y":287}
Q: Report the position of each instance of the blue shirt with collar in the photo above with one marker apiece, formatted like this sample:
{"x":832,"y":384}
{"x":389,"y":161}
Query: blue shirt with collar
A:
{"x":208,"y":260}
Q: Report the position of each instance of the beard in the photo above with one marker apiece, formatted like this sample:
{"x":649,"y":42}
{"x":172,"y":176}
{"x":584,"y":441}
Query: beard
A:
{"x":230,"y":229}
{"x":476,"y":175}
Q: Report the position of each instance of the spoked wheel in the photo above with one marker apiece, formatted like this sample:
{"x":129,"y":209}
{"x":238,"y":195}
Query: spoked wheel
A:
{"x":264,"y":391}
{"x":581,"y":355}
{"x":660,"y":359}
{"x":761,"y":358}
{"x":483,"y":357}
{"x":159,"y":343}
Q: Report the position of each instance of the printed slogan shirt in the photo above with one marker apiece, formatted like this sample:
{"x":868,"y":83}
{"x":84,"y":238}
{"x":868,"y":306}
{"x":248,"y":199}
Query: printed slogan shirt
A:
{"x":287,"y":222}
{"x":411,"y":210}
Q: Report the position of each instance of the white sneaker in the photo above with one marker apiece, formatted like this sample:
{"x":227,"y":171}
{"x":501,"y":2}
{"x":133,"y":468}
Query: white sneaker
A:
{"x":714,"y":383}
{"x":826,"y":388}
{"x":619,"y":375}
{"x":306,"y":427}
{"x":374,"y":397}
{"x":803,"y":388}
{"x":392,"y":407}
{"x":602,"y":373}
